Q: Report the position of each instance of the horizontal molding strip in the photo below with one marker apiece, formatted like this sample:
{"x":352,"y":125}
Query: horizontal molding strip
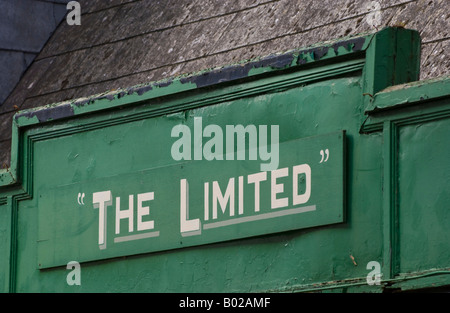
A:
{"x":176,"y":106}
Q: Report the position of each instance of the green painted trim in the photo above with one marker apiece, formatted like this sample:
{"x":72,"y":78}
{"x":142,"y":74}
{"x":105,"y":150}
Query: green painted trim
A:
{"x":417,"y":112}
{"x":393,"y":107}
{"x":392,"y":58}
{"x":7,"y":282}
{"x":12,"y":208}
{"x":9,"y":175}
{"x":409,"y":94}
{"x":397,"y":104}
{"x":180,"y":104}
{"x":388,"y":199}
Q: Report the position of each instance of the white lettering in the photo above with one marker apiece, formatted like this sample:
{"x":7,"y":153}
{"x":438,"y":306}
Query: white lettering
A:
{"x":374,"y":277}
{"x":74,"y":16}
{"x":144,"y":210}
{"x":278,"y":188}
{"x":240,"y":132}
{"x":256,"y":179}
{"x":213,"y":148}
{"x":241,"y":195}
{"x":198,"y":140}
{"x":273,"y":155}
{"x":102,"y":200}
{"x":226,"y":199}
{"x":192,"y":303}
{"x":206,"y":202}
{"x":74,"y":277}
{"x":184,"y":142}
{"x":246,"y":302}
{"x":123,"y":214}
{"x":186,"y":225}
{"x":297,"y":170}
{"x":223,"y":199}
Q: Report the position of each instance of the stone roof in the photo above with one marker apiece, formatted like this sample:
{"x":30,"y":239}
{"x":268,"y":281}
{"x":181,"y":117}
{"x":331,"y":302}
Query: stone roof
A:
{"x":122,"y":43}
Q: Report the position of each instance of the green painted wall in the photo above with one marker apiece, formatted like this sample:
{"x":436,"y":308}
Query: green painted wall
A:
{"x":61,"y":149}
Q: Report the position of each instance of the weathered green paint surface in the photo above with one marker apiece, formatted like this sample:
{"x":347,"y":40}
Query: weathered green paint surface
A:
{"x":393,"y":189}
{"x":66,"y":220}
{"x":424,"y":170}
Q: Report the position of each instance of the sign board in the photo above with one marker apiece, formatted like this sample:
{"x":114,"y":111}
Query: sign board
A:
{"x":193,"y":202}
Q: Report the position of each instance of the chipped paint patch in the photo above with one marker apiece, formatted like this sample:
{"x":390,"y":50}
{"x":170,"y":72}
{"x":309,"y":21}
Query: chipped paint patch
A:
{"x":48,"y":113}
{"x":234,"y":72}
{"x":332,"y":50}
{"x":140,"y":90}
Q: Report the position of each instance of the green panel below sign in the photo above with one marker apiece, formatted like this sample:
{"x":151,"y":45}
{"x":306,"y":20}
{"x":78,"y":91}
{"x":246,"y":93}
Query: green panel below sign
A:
{"x":191,"y":203}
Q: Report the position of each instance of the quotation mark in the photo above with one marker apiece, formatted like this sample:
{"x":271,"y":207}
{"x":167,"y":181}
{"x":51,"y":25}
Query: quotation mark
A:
{"x":80,"y":198}
{"x":325,"y":155}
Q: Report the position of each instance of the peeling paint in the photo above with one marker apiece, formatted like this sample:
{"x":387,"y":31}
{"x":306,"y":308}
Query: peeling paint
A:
{"x":48,"y":113}
{"x":317,"y":53}
{"x":234,"y":72}
{"x":354,"y":45}
{"x":164,"y":83}
{"x":141,"y":90}
{"x":110,"y":97}
{"x":203,"y":79}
